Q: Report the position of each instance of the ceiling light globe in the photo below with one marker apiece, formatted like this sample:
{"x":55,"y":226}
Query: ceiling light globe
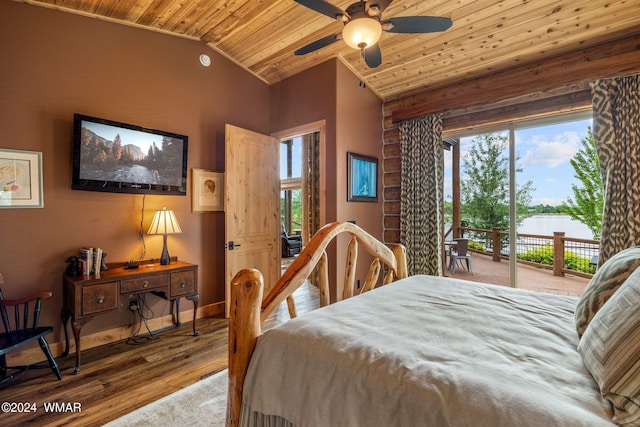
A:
{"x":362,"y":32}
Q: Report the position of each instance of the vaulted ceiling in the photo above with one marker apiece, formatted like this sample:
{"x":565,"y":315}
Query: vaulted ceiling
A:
{"x":486,"y":36}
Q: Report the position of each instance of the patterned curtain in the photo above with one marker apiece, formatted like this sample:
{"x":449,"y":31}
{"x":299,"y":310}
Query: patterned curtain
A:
{"x":616,"y":131}
{"x":311,"y":191}
{"x":311,"y":184}
{"x":421,"y":194}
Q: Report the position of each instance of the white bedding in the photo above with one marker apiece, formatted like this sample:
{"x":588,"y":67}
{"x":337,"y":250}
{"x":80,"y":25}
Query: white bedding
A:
{"x":427,"y":351}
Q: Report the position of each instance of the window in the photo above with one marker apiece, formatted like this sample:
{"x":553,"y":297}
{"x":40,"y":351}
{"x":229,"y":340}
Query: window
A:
{"x":291,"y":184}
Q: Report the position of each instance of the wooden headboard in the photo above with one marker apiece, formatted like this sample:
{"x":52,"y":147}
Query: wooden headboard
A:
{"x":248,"y":309}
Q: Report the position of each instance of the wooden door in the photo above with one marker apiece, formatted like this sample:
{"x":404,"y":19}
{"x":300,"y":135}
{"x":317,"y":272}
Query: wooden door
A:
{"x":252,"y":206}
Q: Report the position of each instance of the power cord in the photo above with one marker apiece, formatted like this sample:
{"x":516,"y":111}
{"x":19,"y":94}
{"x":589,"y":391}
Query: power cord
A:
{"x":144,"y":245}
{"x":141,"y":312}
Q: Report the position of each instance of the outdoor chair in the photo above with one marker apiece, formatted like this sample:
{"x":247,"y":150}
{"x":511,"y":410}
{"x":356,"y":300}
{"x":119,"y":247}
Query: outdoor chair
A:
{"x":22,"y":332}
{"x":459,"y":253}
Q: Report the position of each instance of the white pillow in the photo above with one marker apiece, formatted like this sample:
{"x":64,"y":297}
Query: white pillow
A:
{"x":610,"y":349}
{"x":603,"y":284}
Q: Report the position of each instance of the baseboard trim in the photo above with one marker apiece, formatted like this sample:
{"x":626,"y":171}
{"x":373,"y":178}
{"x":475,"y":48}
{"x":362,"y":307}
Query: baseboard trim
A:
{"x":35,"y":355}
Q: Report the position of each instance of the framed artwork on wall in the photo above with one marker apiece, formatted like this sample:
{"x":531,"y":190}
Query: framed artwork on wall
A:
{"x":207,"y":190}
{"x":21,"y":179}
{"x":362,"y":178}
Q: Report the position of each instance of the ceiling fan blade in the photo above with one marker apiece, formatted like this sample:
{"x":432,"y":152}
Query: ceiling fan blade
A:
{"x":380,"y":6}
{"x":417,"y":24}
{"x":372,"y":56}
{"x":318,"y":44}
{"x":323,"y":7}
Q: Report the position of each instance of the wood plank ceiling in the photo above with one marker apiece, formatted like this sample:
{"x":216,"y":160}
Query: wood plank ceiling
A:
{"x":487,"y":36}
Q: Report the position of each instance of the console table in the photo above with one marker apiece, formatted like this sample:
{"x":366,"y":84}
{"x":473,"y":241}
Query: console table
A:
{"x":89,"y":296}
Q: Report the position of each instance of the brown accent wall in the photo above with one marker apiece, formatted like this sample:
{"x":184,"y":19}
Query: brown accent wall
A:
{"x":307,"y":98}
{"x":352,"y":113}
{"x":359,"y":115}
{"x":55,"y":64}
{"x":358,"y":130}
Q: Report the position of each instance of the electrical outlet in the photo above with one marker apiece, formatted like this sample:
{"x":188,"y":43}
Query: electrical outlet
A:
{"x":133,"y":304}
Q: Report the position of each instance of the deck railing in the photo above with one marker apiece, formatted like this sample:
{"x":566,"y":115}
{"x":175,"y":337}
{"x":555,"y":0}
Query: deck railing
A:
{"x":558,"y":252}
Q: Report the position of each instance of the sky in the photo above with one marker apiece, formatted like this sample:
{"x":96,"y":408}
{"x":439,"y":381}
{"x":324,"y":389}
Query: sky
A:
{"x":297,"y":154}
{"x":544,"y":154}
{"x":128,"y":136}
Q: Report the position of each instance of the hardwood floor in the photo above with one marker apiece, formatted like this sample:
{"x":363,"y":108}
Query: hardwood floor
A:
{"x":118,"y":378}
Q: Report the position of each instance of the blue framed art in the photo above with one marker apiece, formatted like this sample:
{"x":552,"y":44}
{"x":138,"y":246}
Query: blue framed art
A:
{"x":362,"y":182}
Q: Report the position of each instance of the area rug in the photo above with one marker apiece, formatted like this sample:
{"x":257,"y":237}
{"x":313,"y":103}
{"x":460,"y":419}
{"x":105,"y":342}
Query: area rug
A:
{"x":201,"y":404}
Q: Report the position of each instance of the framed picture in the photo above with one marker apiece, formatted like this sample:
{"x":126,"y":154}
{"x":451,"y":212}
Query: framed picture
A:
{"x":207,"y":190}
{"x":20,"y":179}
{"x":362,"y":172}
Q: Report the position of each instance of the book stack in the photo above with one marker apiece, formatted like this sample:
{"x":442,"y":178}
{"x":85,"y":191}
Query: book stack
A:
{"x":90,"y":261}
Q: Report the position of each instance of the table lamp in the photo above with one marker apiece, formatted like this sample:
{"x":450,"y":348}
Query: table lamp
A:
{"x":164,"y":222}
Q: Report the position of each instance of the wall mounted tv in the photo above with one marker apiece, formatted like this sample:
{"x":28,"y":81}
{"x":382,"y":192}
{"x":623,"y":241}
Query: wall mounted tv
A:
{"x":123,"y":158}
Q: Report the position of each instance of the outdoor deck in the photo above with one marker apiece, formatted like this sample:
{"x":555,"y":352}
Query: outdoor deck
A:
{"x":537,"y":279}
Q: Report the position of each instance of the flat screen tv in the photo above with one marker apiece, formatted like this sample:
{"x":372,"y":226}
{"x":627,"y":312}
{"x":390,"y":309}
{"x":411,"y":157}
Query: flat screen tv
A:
{"x":123,"y":158}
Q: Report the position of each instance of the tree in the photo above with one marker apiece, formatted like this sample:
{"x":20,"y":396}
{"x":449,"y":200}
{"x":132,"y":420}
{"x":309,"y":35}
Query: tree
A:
{"x":587,"y":205}
{"x":296,"y":208}
{"x":116,"y":148}
{"x":485,"y":190}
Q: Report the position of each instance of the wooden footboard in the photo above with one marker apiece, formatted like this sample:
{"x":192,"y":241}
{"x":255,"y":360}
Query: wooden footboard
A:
{"x":248,"y":309}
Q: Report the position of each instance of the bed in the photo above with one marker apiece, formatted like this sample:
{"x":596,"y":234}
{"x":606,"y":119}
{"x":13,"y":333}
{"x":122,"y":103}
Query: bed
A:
{"x":434,"y":351}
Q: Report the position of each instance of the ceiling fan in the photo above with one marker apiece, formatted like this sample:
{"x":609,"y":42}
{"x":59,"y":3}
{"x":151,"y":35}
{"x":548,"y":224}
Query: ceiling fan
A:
{"x":363,"y":26}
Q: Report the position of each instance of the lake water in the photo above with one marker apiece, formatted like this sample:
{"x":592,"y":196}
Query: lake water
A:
{"x":546,"y":225}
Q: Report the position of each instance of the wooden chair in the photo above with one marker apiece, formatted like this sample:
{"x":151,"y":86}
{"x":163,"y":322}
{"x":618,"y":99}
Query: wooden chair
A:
{"x":23,"y":333}
{"x":459,"y":253}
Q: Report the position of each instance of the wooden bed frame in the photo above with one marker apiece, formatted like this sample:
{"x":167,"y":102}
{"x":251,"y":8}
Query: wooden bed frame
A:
{"x":248,"y":310}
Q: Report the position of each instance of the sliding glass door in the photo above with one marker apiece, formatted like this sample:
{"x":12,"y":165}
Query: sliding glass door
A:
{"x":485,"y":194}
{"x":514,"y":183}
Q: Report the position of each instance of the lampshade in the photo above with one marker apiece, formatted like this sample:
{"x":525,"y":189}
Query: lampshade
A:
{"x":361,"y":33}
{"x":164,"y":222}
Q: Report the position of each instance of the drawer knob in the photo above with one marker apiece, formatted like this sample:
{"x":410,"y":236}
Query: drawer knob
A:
{"x":100,"y":299}
{"x":183,"y":284}
{"x":145,"y":284}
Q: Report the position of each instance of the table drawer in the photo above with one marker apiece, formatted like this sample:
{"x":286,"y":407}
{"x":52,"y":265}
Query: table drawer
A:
{"x":183,"y":283}
{"x":99,"y":298}
{"x":143,"y":283}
